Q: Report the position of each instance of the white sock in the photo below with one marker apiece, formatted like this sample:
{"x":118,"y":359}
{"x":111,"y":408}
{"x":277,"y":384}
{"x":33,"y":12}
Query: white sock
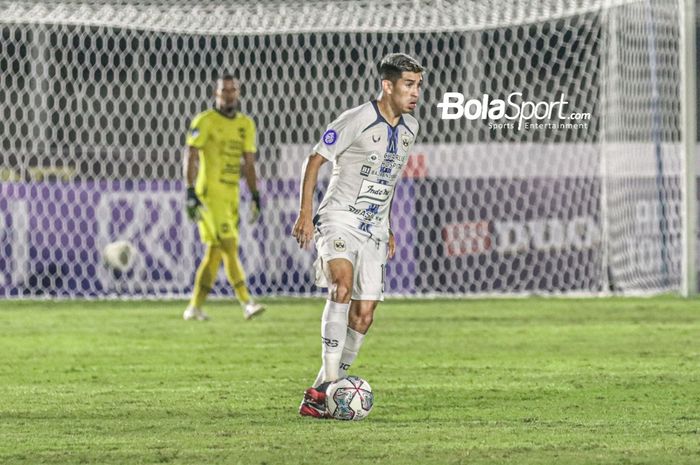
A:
{"x":353,"y":342}
{"x":334,"y":326}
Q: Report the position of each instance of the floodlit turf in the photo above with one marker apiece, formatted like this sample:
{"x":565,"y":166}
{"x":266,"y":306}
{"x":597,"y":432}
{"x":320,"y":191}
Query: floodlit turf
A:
{"x":488,"y":381}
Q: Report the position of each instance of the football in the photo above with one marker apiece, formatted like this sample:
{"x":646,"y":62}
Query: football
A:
{"x":119,"y":255}
{"x":349,"y":398}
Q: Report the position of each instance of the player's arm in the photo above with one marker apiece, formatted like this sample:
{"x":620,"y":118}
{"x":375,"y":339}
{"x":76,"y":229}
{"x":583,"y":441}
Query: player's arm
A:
{"x":303,"y":227}
{"x":392,"y":241}
{"x":252,"y":181}
{"x":250,"y":144}
{"x":190,"y":168}
{"x":196,"y":138}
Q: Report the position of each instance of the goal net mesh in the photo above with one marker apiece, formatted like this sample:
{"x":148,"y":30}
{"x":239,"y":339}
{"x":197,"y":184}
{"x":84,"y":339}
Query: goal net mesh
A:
{"x":96,"y":98}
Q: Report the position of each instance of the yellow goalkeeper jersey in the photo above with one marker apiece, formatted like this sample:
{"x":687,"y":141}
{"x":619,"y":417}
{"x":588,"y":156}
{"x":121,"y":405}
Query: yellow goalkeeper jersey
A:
{"x":221,"y":141}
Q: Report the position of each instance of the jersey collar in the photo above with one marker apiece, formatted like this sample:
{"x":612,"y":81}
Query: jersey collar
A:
{"x":381,"y":119}
{"x":235,"y":115}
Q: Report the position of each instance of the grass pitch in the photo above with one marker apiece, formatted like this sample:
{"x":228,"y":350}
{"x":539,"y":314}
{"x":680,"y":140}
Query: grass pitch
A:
{"x":456,"y":382}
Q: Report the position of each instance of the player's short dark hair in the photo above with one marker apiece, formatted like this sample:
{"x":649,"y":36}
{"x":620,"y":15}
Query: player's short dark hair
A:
{"x":394,"y":64}
{"x":226,"y":77}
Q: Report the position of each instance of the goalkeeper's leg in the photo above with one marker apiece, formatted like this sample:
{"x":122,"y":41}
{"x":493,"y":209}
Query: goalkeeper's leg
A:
{"x":203,"y":282}
{"x":236,"y":277}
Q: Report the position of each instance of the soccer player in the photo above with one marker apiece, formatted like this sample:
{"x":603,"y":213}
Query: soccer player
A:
{"x":219,"y":140}
{"x":368,"y":146}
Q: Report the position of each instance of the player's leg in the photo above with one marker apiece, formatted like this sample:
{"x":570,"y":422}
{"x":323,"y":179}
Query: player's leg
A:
{"x":360,"y":317}
{"x":337,"y":251}
{"x":203,"y":282}
{"x":236,"y":277}
{"x":209,"y":266}
{"x":368,"y":291}
{"x":334,"y":322}
{"x":339,"y":275}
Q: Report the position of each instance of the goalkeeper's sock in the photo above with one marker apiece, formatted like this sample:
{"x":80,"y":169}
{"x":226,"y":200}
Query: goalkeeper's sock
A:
{"x":204,"y":279}
{"x":353,"y":342}
{"x":334,"y":326}
{"x":236,"y":275}
{"x":241,"y":290}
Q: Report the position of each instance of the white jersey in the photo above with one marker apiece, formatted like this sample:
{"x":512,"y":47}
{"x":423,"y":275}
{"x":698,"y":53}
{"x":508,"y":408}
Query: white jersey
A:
{"x":368,"y":158}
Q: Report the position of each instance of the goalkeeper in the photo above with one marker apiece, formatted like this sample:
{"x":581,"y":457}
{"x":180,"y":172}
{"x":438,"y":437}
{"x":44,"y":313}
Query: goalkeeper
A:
{"x":218,"y":141}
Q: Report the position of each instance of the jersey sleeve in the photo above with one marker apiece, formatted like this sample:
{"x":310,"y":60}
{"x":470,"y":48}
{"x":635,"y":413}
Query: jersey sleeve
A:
{"x":198,"y":133}
{"x":250,"y":139}
{"x":339,"y":135}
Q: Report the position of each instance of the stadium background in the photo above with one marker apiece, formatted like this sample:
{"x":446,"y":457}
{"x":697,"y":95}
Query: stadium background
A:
{"x":95,"y":117}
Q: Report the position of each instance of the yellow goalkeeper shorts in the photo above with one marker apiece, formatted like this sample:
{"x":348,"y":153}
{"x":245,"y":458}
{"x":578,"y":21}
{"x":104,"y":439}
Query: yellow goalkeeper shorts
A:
{"x":218,"y":220}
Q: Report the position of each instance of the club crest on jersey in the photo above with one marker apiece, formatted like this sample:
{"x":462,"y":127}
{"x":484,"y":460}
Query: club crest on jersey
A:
{"x":339,"y":245}
{"x":330,"y":137}
{"x":405,"y":141}
{"x":373,"y":158}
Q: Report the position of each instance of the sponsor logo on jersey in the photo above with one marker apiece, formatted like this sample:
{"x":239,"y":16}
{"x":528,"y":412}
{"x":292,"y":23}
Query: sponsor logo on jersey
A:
{"x":376,"y":139}
{"x":373,"y":192}
{"x":395,"y":157}
{"x":366,"y":215}
{"x":330,"y":137}
{"x":339,"y":245}
{"x":365,"y":170}
{"x":373,"y":158}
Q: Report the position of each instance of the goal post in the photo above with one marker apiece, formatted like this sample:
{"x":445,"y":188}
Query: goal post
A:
{"x":555,"y":154}
{"x":688,"y":47}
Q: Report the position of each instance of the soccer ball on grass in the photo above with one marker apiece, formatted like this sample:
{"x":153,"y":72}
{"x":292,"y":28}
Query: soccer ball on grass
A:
{"x":349,"y":398}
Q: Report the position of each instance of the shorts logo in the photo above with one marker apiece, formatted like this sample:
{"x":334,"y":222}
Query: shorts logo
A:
{"x":373,"y":158}
{"x":339,"y":245}
{"x":405,"y":141}
{"x":194,"y":132}
{"x":330,"y":137}
{"x":366,"y":169}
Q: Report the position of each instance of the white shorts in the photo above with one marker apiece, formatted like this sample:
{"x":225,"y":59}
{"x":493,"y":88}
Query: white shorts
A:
{"x":368,"y":258}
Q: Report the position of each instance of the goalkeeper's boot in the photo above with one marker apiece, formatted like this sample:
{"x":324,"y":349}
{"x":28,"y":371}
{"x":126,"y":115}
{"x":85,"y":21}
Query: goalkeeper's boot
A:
{"x":251,"y":310}
{"x":194,"y":313}
{"x":314,"y":403}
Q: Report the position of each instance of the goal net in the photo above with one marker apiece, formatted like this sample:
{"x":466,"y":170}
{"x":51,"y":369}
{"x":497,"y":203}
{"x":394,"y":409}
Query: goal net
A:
{"x":577,"y":186}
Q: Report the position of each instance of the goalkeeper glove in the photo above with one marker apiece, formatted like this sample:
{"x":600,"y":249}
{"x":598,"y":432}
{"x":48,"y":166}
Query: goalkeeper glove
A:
{"x":255,"y":208}
{"x":193,"y":204}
